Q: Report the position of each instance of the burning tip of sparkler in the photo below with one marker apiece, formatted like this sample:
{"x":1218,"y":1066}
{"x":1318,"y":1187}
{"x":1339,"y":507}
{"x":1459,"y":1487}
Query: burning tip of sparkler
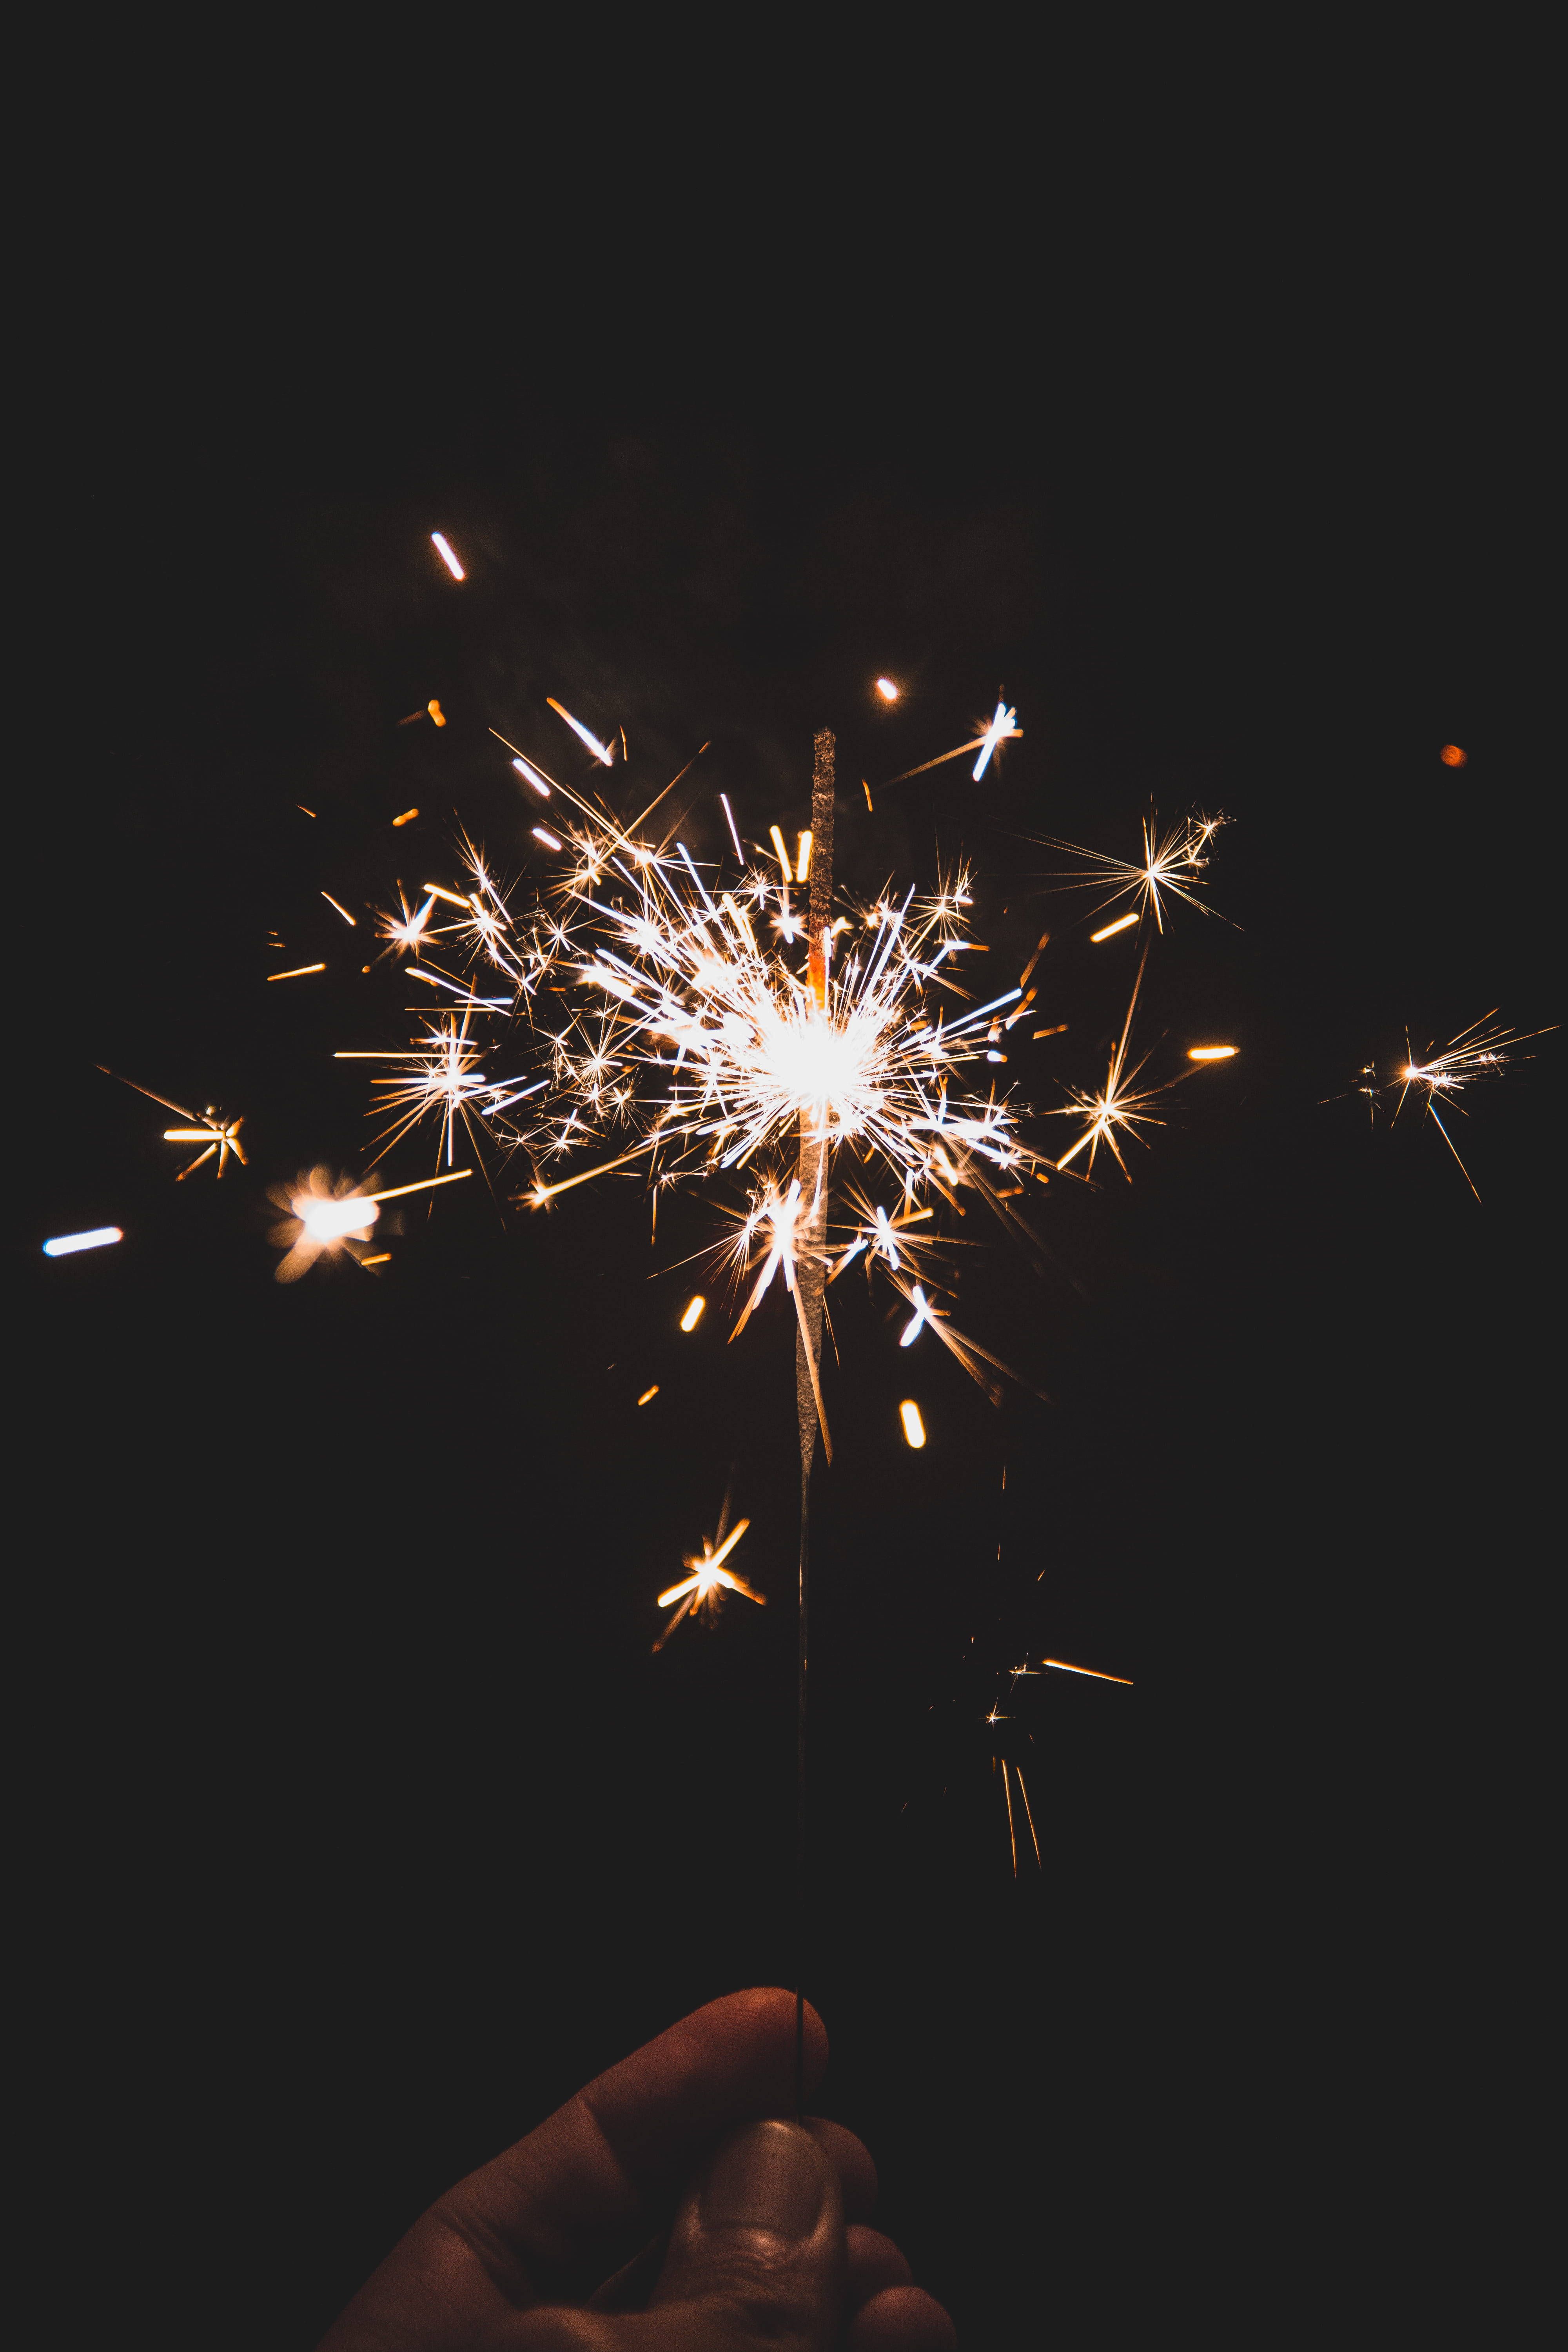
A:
{"x":1211,"y":1053}
{"x":648,"y":1394}
{"x":887,"y":689}
{"x":67,"y":1244}
{"x":1120,"y":924}
{"x":443,"y":548}
{"x":693,"y":1314}
{"x":1452,"y":757}
{"x":406,"y":818}
{"x":914,"y":1427}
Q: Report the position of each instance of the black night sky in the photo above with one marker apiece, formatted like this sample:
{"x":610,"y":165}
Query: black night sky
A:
{"x":358,"y":1822}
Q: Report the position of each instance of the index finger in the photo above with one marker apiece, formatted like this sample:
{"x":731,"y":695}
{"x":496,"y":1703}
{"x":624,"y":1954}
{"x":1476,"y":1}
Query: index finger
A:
{"x":594,"y":2170}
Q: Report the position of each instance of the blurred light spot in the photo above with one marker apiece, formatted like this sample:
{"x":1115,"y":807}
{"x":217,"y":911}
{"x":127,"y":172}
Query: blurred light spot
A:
{"x":1451,"y":756}
{"x":914,"y":1427}
{"x":447,"y":556}
{"x":887,"y":689}
{"x":99,"y":1238}
{"x":693,"y":1314}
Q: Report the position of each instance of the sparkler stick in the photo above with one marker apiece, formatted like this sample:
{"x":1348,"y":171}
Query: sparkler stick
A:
{"x":810,"y":1276}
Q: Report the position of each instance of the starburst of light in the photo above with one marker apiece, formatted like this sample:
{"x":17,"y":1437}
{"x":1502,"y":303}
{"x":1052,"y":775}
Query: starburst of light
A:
{"x":330,"y":1213}
{"x":708,"y":1578}
{"x":211,"y":1128}
{"x":1479,"y":1052}
{"x":1172,"y":864}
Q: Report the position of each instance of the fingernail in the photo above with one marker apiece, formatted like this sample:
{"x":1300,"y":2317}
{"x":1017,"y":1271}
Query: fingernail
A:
{"x":765,"y":2177}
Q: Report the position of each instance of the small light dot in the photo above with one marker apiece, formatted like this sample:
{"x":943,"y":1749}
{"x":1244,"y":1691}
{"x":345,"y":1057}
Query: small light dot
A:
{"x":887,"y":689}
{"x":1451,"y":756}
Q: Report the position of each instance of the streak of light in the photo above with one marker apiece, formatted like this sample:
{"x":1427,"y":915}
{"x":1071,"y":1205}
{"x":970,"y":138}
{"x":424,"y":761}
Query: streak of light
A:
{"x":730,"y":821}
{"x":604,"y":756}
{"x":1045,"y":941}
{"x":381,"y":1257}
{"x":1048,"y":1032}
{"x":922,"y":1314}
{"x":887,"y":689}
{"x":532,"y":776}
{"x":709,"y":1580}
{"x":299,"y":972}
{"x":776,"y":838}
{"x":1211,"y":1053}
{"x":67,"y":1244}
{"x":693,"y":1314}
{"x":648,"y":1394}
{"x":1000,"y":731}
{"x":540,"y":834}
{"x":303,"y":810}
{"x":803,"y":858}
{"x":436,"y":713}
{"x":406,"y":818}
{"x":451,"y":897}
{"x":1062,"y":1667}
{"x":341,"y":910}
{"x":1120,"y":924}
{"x":914,"y":1427}
{"x":443,"y":550}
{"x":1451,"y":756}
{"x":867,"y":790}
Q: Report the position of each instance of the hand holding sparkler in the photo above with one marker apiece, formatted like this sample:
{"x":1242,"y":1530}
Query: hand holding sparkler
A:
{"x":759,"y":2253}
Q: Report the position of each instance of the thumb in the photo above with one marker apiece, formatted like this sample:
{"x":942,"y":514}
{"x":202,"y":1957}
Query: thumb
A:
{"x":755,"y":2259}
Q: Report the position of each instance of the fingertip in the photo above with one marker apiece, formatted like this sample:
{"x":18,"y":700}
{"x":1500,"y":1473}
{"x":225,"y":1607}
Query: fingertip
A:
{"x":901,"y":2319}
{"x":766,"y":2015}
{"x":852,"y":2162}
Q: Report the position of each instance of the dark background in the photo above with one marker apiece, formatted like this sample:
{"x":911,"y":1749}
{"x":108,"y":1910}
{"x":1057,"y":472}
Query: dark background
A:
{"x":359,"y":1826}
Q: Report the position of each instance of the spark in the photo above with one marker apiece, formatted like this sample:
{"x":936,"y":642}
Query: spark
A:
{"x":1477,"y":1052}
{"x":803,"y":858}
{"x":214,"y":1129}
{"x":708,"y":1580}
{"x":1174,"y":862}
{"x":405,"y":937}
{"x":993,"y":732}
{"x":1117,"y":1107}
{"x":341,"y":910}
{"x":327,"y":1212}
{"x":606,"y":756}
{"x":532,"y":776}
{"x":1062,"y":1667}
{"x":67,"y":1244}
{"x":1211,"y":1053}
{"x":693,"y":1314}
{"x":436,"y":713}
{"x":1452,"y":757}
{"x":648,"y":1394}
{"x":406,"y":818}
{"x":776,"y":838}
{"x":442,"y":548}
{"x":914,"y":1427}
{"x":299,"y":972}
{"x":1110,"y":930}
{"x":923,"y":1314}
{"x":1000,"y":731}
{"x":730,"y":821}
{"x":440,"y":1073}
{"x":887,"y":689}
{"x":548,"y":838}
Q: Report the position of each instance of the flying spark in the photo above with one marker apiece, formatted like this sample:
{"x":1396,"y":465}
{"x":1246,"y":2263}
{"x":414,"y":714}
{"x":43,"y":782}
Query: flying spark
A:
{"x":443,"y":550}
{"x":67,"y":1244}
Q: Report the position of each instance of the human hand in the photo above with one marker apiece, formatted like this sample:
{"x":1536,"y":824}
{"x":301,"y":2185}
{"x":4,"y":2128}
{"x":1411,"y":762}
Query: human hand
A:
{"x":751,"y":2229}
